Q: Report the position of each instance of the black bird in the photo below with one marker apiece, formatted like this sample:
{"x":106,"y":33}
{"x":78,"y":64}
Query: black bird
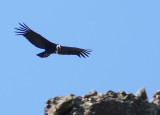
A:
{"x":40,"y":42}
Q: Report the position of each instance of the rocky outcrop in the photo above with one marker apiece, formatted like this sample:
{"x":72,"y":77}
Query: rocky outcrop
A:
{"x":110,"y":103}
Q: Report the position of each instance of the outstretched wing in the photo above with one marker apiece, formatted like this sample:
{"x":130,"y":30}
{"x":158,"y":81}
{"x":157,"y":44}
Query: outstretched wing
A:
{"x":35,"y":38}
{"x":74,"y":51}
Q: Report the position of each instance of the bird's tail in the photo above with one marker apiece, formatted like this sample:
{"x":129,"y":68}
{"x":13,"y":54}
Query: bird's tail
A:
{"x":43,"y":54}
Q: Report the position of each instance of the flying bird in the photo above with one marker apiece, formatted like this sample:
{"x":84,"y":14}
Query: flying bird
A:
{"x":49,"y":47}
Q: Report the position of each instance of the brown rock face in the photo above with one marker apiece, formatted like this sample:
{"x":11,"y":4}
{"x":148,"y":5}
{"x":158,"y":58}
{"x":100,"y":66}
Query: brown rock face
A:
{"x":110,"y":103}
{"x":156,"y":98}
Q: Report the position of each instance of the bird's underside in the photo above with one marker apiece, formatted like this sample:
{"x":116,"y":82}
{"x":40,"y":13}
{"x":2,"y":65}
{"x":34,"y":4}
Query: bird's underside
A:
{"x":49,"y":47}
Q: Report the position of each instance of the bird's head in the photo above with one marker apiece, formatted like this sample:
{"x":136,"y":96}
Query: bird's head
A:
{"x":58,"y":48}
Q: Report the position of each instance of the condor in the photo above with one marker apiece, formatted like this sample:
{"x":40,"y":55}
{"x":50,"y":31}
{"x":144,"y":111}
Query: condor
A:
{"x":49,"y":47}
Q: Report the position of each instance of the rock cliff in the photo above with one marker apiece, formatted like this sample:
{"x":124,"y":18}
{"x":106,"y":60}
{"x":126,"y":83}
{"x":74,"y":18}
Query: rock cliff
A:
{"x":110,"y":103}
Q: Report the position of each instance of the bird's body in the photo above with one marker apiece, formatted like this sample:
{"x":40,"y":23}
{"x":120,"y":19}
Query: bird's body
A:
{"x":40,"y":42}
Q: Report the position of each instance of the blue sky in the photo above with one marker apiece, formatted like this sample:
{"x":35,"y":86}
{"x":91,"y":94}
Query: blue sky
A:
{"x":124,"y":36}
